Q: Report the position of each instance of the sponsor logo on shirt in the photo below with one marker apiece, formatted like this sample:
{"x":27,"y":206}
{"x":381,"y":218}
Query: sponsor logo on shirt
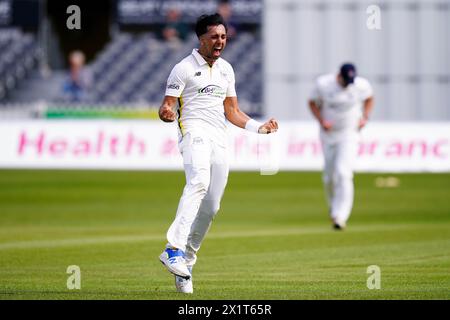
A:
{"x":212,"y":90}
{"x":197,"y":141}
{"x":197,"y":74}
{"x":173,"y":86}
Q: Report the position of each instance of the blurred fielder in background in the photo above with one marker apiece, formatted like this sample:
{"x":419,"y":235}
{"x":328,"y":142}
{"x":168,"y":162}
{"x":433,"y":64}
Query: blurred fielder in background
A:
{"x":202,"y":89}
{"x":341,"y":104}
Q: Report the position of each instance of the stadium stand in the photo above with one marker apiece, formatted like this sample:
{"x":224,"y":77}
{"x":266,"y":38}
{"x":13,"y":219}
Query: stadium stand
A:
{"x":18,"y":56}
{"x":131,"y":71}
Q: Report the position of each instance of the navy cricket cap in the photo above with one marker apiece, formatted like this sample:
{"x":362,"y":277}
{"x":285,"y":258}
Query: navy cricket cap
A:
{"x":348,"y":73}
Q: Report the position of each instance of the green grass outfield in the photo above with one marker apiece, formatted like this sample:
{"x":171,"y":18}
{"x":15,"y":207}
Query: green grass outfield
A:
{"x":271,"y":239}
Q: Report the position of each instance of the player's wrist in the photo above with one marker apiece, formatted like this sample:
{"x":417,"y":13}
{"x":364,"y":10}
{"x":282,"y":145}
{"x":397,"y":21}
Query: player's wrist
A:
{"x":253,"y":125}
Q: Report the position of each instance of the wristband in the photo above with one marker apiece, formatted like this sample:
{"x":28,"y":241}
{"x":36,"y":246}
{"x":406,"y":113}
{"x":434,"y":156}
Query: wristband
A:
{"x":253,"y":125}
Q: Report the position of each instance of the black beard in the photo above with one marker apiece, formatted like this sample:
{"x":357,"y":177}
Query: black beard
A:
{"x":209,"y":57}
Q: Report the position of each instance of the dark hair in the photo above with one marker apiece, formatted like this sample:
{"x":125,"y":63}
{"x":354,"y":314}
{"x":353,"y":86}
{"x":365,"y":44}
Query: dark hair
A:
{"x":204,"y":21}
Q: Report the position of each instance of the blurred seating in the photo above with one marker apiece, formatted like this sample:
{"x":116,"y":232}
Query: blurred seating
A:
{"x":18,"y":55}
{"x":133,"y":68}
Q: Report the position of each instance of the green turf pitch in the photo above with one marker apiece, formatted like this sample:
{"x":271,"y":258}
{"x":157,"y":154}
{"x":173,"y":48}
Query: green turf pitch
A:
{"x":271,"y":239}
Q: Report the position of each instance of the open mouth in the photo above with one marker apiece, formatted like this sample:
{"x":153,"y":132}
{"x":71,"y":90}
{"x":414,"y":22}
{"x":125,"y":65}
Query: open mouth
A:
{"x":217,"y":51}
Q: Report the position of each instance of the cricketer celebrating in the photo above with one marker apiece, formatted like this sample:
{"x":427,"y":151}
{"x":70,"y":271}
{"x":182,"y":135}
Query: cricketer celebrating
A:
{"x":202,"y":90}
{"x":342,"y":104}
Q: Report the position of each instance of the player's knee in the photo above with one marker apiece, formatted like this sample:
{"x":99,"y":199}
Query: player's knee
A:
{"x":200,"y":183}
{"x":201,"y":187}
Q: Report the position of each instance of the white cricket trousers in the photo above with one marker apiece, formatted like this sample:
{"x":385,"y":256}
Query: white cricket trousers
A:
{"x":206,"y":169}
{"x":338,"y":177}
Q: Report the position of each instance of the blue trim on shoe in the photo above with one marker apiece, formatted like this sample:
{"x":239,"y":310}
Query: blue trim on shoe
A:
{"x":172,"y":253}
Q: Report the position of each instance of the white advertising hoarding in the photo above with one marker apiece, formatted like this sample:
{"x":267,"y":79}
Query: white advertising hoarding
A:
{"x":143,"y":144}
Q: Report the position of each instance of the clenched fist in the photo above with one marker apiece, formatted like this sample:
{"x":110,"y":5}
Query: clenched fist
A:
{"x":166,"y":113}
{"x":269,"y":127}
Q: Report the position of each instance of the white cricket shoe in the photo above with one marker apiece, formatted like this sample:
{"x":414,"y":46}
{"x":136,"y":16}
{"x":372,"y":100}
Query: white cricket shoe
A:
{"x":173,"y":260}
{"x":183,"y":285}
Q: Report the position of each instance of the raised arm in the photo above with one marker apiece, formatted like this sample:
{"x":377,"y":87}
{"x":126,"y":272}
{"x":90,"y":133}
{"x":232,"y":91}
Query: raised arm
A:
{"x":241,"y":120}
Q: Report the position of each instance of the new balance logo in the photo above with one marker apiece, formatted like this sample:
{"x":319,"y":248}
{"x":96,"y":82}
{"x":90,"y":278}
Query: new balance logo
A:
{"x":173,"y":260}
{"x":197,"y":74}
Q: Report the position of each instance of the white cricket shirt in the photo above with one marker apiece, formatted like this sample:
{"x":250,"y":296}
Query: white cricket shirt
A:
{"x":341,"y":106}
{"x":201,"y":90}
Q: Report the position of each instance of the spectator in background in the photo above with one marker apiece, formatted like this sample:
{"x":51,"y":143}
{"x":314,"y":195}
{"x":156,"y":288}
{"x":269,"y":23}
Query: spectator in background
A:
{"x":174,"y":31}
{"x":76,"y":87}
{"x":226,"y":11}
